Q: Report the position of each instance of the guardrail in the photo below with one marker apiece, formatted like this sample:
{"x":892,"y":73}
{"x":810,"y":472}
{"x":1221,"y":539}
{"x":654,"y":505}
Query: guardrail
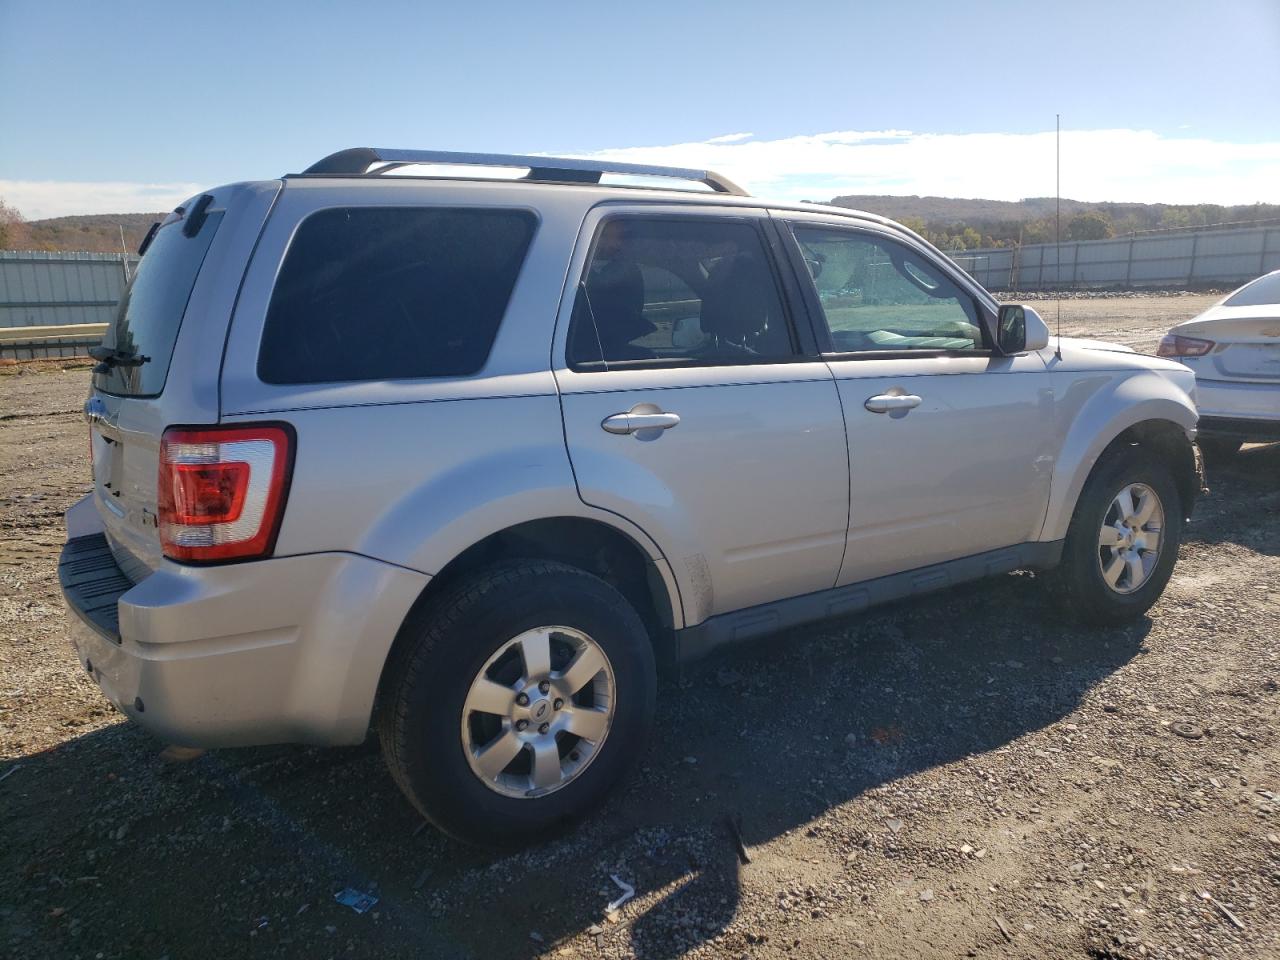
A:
{"x":50,"y":342}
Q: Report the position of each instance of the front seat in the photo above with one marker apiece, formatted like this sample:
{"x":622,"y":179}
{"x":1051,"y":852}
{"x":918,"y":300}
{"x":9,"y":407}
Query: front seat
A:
{"x":736,"y":311}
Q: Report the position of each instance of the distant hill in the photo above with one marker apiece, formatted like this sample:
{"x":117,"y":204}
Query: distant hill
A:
{"x":956,"y":210}
{"x":951,"y":223}
{"x":98,"y":234}
{"x":964,"y":224}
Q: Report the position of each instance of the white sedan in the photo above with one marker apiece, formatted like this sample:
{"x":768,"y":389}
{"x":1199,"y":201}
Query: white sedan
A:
{"x":1234,"y":349}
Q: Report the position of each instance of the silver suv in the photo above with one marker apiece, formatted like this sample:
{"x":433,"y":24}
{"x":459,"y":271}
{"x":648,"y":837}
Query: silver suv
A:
{"x":465,"y":457}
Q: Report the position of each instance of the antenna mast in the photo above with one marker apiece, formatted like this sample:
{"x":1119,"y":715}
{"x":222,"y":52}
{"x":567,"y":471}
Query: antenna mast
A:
{"x":1057,"y":229}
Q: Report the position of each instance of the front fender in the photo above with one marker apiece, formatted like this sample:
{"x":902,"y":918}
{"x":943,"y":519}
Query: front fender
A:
{"x":1092,"y":412}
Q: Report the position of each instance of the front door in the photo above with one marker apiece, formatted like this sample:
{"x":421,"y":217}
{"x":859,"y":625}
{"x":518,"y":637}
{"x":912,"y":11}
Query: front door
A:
{"x":950,"y":443}
{"x":691,"y":408}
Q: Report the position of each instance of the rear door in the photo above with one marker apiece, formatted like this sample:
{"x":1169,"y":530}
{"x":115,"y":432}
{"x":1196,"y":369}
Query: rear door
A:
{"x":694,"y":406}
{"x":167,"y":339}
{"x":950,"y":443}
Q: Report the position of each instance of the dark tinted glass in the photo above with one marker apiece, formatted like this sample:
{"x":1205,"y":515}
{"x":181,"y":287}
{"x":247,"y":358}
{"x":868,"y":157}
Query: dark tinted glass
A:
{"x":688,"y":292}
{"x":150,"y":312}
{"x":391,"y":293}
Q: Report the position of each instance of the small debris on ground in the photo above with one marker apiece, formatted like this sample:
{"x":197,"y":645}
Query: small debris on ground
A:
{"x":735,"y":834}
{"x":355,"y":899}
{"x":1004,"y":928}
{"x":176,"y":754}
{"x":628,"y":891}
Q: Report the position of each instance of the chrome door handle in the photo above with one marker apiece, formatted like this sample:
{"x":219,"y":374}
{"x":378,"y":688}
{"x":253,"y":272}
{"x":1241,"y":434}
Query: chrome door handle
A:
{"x":635,"y":422}
{"x":887,"y":402}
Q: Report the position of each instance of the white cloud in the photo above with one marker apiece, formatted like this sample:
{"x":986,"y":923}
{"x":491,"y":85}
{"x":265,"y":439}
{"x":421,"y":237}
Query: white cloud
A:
{"x":1133,"y":165}
{"x":1097,"y":165}
{"x":40,"y":199}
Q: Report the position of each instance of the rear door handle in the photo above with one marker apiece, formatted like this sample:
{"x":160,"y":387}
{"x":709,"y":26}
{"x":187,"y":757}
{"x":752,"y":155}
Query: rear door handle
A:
{"x":888,"y":402}
{"x":636,"y":422}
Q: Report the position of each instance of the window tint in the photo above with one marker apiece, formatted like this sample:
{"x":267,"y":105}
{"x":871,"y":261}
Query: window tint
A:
{"x":387,"y":293}
{"x":1258,"y":293}
{"x":880,"y":295}
{"x":150,"y":312}
{"x":689,"y":292}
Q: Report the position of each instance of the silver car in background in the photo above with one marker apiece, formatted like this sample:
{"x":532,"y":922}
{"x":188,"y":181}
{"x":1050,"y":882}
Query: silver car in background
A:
{"x":1234,"y":349}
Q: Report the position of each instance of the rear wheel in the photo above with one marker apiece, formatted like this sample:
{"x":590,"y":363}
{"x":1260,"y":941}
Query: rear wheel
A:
{"x":517,"y":699}
{"x":1123,"y":540}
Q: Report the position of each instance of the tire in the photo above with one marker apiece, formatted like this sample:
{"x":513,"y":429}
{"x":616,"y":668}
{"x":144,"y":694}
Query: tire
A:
{"x":1218,"y":450}
{"x":1079,"y":584}
{"x":433,"y":739}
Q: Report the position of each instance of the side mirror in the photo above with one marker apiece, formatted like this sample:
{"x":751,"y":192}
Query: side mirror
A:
{"x":1019,"y":329}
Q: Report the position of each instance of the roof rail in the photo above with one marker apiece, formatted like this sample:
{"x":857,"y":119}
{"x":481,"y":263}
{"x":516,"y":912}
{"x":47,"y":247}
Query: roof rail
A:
{"x":357,"y":161}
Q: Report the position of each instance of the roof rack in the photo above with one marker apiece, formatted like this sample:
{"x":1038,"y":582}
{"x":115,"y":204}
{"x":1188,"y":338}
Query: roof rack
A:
{"x":357,"y":161}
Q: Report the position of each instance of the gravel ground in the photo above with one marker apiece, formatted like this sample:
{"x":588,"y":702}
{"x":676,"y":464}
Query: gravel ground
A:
{"x":963,"y":775}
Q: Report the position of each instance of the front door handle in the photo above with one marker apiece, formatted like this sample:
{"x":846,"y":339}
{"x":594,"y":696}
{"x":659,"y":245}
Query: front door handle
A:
{"x":889,"y":402}
{"x":638,"y":422}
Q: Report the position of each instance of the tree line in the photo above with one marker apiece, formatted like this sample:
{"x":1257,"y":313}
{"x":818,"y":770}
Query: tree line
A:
{"x":977,"y":224}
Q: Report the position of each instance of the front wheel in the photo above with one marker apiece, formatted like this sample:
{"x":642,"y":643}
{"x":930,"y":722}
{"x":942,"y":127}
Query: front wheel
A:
{"x":517,"y":699}
{"x":1123,"y":540}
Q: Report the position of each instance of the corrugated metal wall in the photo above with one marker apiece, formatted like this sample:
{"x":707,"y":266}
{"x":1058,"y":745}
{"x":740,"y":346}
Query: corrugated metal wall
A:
{"x":39,"y":289}
{"x":1225,"y":258}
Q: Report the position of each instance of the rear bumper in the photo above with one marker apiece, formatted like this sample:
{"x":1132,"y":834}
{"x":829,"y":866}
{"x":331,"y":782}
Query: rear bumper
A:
{"x":1238,"y":428}
{"x":283,"y":650}
{"x":1238,"y":409}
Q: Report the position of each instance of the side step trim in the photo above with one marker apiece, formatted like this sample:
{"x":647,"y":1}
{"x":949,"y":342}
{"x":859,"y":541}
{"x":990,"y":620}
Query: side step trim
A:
{"x":693,"y":643}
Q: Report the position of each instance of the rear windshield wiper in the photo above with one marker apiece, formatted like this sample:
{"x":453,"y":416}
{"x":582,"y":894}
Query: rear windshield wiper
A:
{"x":109,"y":357}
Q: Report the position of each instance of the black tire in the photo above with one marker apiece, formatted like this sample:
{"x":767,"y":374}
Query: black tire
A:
{"x":1218,"y":450}
{"x":1077,"y":584}
{"x":442,"y":649}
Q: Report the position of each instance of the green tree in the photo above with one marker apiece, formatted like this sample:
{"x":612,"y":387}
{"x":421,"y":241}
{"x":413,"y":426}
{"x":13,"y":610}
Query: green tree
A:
{"x":13,"y":227}
{"x":1089,"y":226}
{"x":915,"y":223}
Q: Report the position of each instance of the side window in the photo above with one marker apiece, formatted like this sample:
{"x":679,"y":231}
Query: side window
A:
{"x":880,"y":295}
{"x":680,"y":291}
{"x":387,"y":293}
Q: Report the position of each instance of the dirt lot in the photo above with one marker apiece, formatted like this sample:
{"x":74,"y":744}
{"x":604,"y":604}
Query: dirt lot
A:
{"x":960,"y":776}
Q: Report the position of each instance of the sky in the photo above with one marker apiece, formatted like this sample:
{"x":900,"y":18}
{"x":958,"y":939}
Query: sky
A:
{"x":111,"y":108}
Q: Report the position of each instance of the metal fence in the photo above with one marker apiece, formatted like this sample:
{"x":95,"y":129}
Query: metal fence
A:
{"x":57,"y":304}
{"x":1201,"y":258}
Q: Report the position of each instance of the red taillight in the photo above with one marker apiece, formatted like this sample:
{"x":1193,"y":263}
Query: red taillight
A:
{"x":222,"y":490}
{"x":1175,"y":346}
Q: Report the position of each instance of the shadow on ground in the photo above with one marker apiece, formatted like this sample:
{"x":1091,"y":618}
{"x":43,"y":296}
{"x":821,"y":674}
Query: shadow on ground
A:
{"x":107,"y":850}
{"x":228,"y":849}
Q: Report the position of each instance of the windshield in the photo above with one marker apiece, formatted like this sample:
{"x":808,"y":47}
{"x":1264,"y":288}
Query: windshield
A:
{"x":150,"y":312}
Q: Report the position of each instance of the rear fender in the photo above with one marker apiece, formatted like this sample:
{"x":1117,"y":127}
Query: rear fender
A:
{"x":436,"y":522}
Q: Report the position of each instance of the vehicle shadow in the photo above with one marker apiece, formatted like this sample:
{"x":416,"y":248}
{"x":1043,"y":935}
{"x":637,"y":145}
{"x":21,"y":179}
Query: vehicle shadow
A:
{"x":1243,"y":503}
{"x":242,"y":850}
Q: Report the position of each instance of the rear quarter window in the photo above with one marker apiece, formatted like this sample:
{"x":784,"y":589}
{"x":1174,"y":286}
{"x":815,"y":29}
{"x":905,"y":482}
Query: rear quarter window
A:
{"x":150,"y":312}
{"x":392,"y":293}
